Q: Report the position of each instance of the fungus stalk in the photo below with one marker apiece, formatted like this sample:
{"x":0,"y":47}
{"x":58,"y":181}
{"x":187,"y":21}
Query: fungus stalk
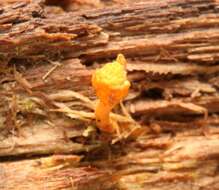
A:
{"x":111,"y":86}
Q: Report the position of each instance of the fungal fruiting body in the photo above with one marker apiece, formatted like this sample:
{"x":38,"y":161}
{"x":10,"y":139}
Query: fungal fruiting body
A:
{"x":111,"y":86}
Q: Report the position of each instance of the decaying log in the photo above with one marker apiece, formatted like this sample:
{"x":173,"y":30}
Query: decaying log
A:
{"x":47,"y":56}
{"x":57,"y":172}
{"x":187,"y":161}
{"x":85,"y":34}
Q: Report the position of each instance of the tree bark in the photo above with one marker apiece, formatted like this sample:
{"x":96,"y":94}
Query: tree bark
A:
{"x":46,"y":61}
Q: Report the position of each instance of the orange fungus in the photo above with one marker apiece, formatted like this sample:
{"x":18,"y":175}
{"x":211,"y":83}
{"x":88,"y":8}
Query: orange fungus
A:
{"x":111,"y":86}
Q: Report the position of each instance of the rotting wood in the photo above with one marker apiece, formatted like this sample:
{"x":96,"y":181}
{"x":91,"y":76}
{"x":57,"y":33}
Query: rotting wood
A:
{"x":172,"y":55}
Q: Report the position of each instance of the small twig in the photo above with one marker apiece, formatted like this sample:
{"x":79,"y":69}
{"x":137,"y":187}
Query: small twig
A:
{"x":68,"y":94}
{"x":125,"y":112}
{"x":89,"y":115}
{"x":56,"y":64}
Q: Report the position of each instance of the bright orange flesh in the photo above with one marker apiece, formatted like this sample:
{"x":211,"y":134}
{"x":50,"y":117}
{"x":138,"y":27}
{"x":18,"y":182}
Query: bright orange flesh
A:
{"x":111,"y":86}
